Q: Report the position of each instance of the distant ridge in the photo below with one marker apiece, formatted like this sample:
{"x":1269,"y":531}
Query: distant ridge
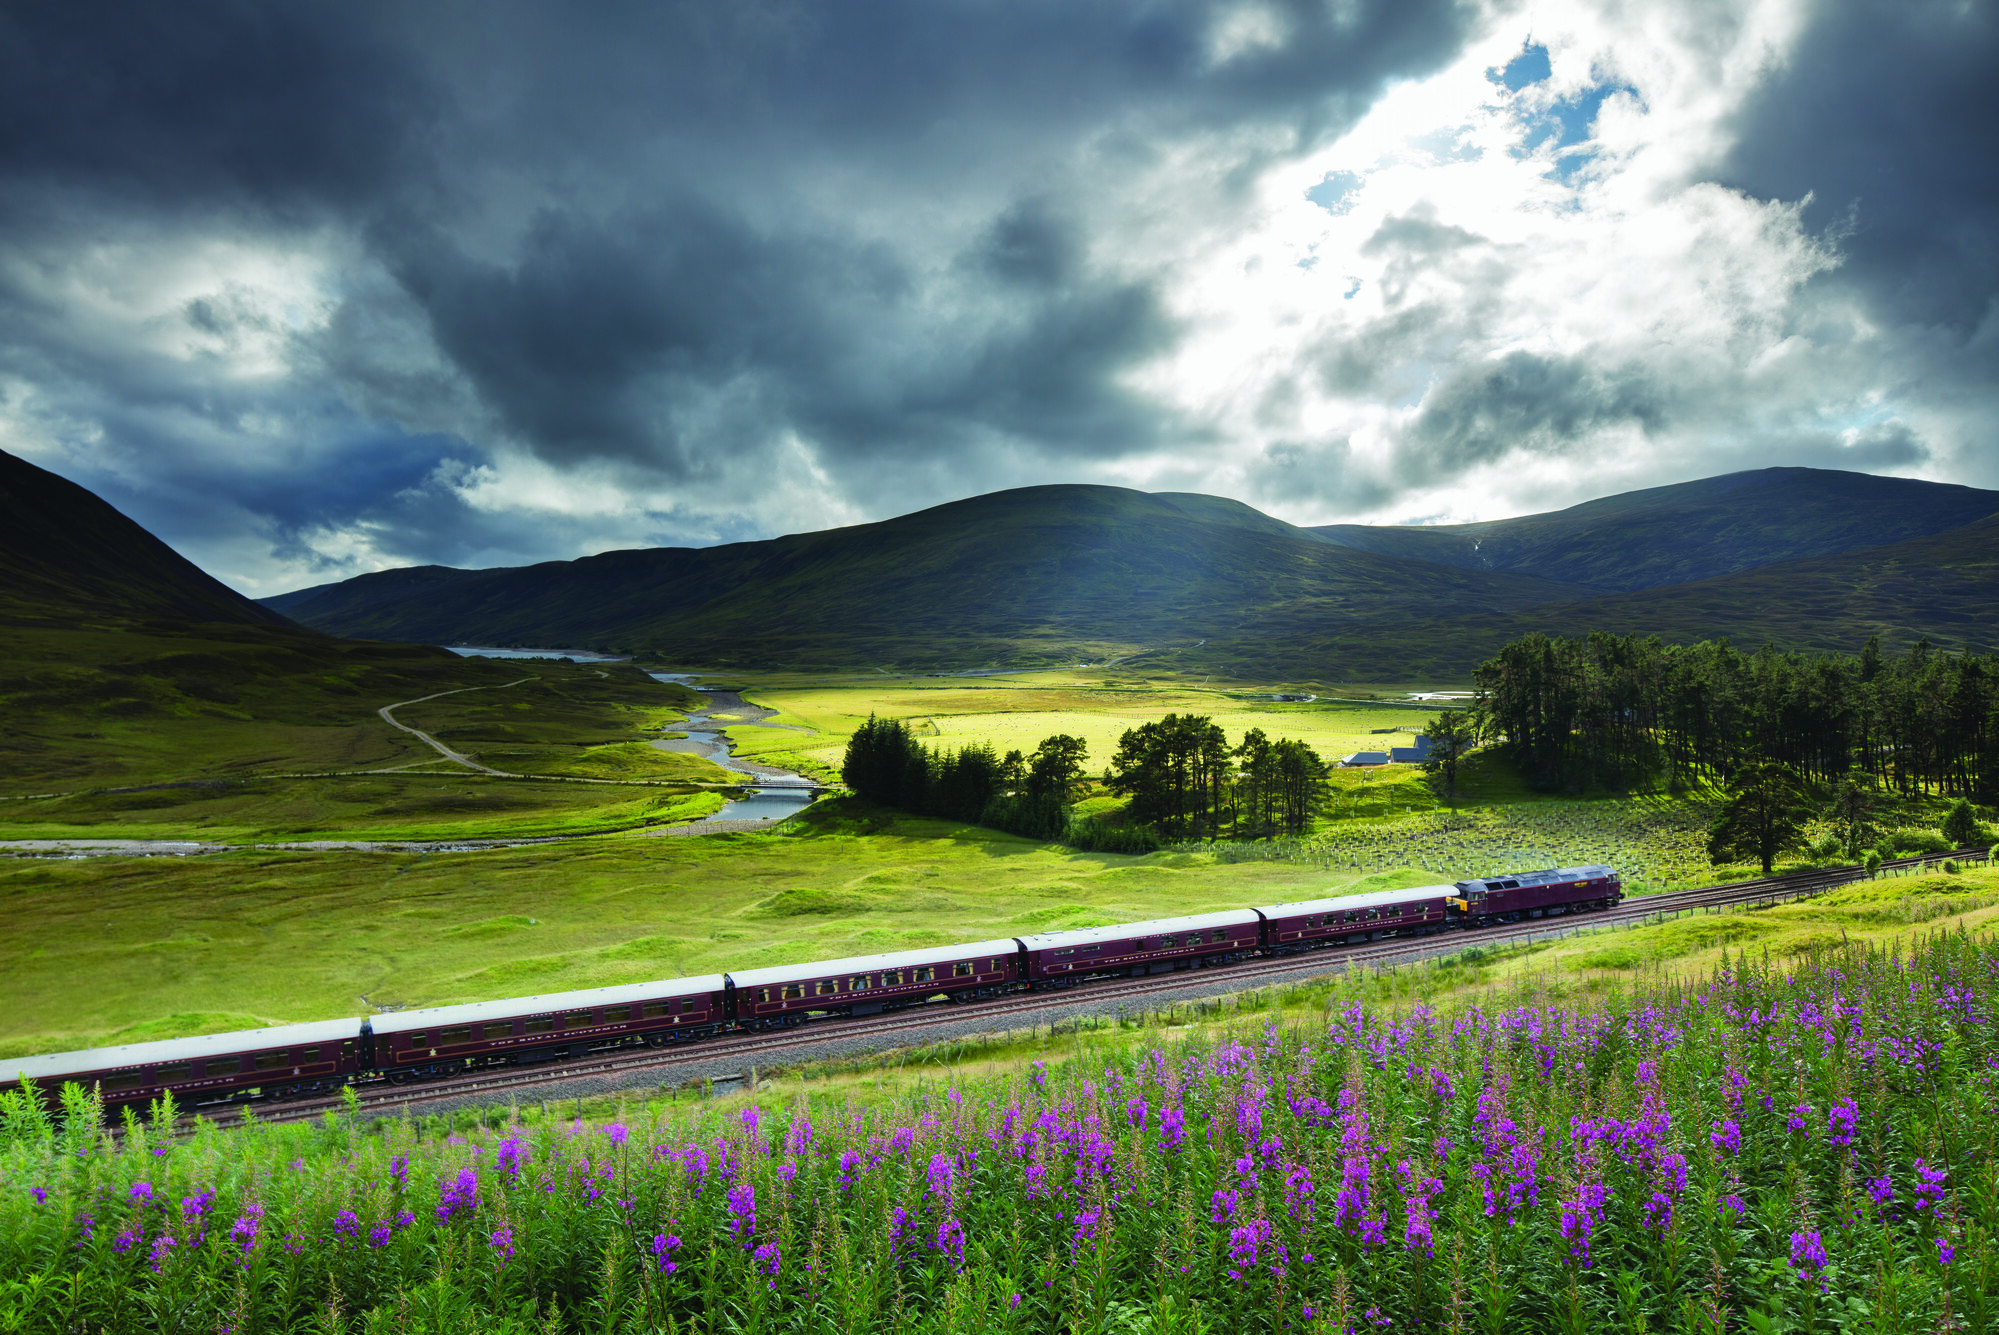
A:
{"x":1690,"y":530}
{"x":1031,"y":574}
{"x":65,"y":552}
{"x":1082,"y":573}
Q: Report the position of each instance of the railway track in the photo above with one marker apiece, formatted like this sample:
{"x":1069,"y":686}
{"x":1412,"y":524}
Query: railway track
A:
{"x":1024,"y":1009}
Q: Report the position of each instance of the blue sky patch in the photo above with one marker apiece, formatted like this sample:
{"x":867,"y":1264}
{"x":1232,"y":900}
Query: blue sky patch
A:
{"x":1529,"y":67}
{"x":1336,"y":193}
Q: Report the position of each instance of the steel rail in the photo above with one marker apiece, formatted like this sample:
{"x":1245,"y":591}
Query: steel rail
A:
{"x":1252,"y":974}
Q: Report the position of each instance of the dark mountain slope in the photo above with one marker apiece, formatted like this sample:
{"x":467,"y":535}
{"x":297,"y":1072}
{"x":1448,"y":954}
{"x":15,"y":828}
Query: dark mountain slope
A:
{"x":1943,"y":587}
{"x":65,"y":552}
{"x":1692,"y":530}
{"x":1037,"y":572}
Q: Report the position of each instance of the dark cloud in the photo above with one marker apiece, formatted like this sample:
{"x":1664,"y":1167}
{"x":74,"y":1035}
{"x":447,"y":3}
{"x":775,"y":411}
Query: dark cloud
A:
{"x":670,"y":240}
{"x":1883,"y":114}
{"x":1522,"y":401}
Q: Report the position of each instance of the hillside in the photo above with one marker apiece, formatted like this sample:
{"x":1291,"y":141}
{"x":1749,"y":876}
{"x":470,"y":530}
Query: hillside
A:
{"x":66,"y":553}
{"x":122,"y":663}
{"x":1692,"y":530}
{"x":1037,"y":573}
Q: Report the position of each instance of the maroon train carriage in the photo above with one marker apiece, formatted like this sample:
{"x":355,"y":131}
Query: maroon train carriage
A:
{"x":1064,"y":959}
{"x":445,"y":1040}
{"x":869,"y":984}
{"x":1535,"y":894}
{"x":284,"y":1061}
{"x":1351,"y":919}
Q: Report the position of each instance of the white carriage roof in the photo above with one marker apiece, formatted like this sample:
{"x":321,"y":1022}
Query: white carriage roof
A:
{"x":177,"y":1049}
{"x":1549,"y":877}
{"x":1343,"y":903}
{"x":473,"y":1012}
{"x":901,"y":959}
{"x":1126,"y":930}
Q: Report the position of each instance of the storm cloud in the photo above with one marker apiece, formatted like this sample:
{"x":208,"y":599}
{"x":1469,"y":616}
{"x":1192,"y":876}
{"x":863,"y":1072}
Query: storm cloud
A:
{"x":314,"y":289}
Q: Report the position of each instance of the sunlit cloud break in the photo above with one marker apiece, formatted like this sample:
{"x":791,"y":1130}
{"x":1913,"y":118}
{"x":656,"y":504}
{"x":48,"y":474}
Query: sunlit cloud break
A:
{"x":320,"y":290}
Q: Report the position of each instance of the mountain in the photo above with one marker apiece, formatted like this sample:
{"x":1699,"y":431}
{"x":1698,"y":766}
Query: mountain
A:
{"x":1036,"y":573}
{"x":1690,"y":531}
{"x":66,"y":553}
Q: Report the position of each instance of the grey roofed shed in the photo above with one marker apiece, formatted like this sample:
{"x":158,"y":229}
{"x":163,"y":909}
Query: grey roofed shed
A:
{"x":1365,"y":758}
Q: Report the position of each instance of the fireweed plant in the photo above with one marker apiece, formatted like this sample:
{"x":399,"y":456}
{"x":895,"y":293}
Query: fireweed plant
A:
{"x":1797,"y":1147}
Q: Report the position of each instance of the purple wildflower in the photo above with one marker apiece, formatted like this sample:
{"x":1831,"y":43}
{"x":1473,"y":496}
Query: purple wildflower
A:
{"x":142,"y":1191}
{"x":1727,"y":1135}
{"x":743,"y":1211}
{"x":347,"y":1224}
{"x":127,"y":1239}
{"x":951,"y":1241}
{"x":379,"y":1235}
{"x":502,"y":1243}
{"x":460,"y":1195}
{"x":399,"y":1169}
{"x":769,"y":1260}
{"x":1808,"y":1256}
{"x":513,"y":1153}
{"x":1945,"y":1252}
{"x":41,"y":1194}
{"x":663,"y":1247}
{"x":162,"y":1247}
{"x":1840,"y":1121}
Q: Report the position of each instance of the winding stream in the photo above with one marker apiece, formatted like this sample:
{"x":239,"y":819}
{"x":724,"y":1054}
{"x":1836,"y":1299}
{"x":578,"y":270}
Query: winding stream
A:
{"x":779,"y":793}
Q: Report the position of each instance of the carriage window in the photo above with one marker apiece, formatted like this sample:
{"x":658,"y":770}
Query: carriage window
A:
{"x":540,"y":1024}
{"x":308,"y":1055}
{"x":178,"y":1071}
{"x":654,"y":1010}
{"x":505,"y":1030}
{"x":577,"y":1020}
{"x":414,"y":1040}
{"x":450,"y":1036}
{"x":764,"y":995}
{"x":615,"y":1014}
{"x":268,"y":1061}
{"x":794,"y":991}
{"x":961,"y":970}
{"x":926,"y":974}
{"x":827,"y":987}
{"x":1168,"y":942}
{"x":689,"y":1006}
{"x":1088,"y":950}
{"x":859,"y":984}
{"x":1219,"y":934}
{"x":893,"y":978}
{"x":123,"y":1080}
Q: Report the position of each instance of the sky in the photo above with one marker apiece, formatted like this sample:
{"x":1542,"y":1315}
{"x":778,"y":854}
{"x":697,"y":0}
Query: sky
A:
{"x":317,"y":289}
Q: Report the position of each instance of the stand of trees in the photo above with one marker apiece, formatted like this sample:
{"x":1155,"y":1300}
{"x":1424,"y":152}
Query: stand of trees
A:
{"x":1182,"y":777}
{"x":1024,"y":794}
{"x":1622,"y":712}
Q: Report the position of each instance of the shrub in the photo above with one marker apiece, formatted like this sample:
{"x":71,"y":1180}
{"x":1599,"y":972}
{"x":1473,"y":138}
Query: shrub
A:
{"x":1094,"y":835}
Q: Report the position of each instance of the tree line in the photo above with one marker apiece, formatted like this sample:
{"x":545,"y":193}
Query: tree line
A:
{"x":1181,"y":778}
{"x":1621,"y":712}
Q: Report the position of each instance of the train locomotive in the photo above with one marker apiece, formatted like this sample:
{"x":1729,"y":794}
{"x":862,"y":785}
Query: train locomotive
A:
{"x":312,"y":1059}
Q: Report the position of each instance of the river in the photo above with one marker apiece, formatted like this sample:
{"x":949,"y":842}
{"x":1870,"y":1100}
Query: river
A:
{"x":778,"y":793}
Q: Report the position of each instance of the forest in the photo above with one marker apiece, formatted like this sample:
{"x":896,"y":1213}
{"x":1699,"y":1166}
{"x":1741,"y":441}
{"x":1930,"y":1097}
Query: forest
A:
{"x":1630,"y":714}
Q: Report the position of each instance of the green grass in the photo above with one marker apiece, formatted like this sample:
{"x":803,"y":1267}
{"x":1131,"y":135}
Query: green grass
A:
{"x":90,"y":949}
{"x":248,"y":733}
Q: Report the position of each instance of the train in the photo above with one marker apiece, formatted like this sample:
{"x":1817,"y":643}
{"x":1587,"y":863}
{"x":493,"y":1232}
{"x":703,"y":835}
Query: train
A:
{"x":401,"y":1047}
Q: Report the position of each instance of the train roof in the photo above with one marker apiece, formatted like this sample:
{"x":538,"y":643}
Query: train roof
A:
{"x":787,"y":973}
{"x":1342,"y":903}
{"x":120,"y":1056}
{"x":472,"y":1012}
{"x":1551,"y":876}
{"x":1124,"y":931}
